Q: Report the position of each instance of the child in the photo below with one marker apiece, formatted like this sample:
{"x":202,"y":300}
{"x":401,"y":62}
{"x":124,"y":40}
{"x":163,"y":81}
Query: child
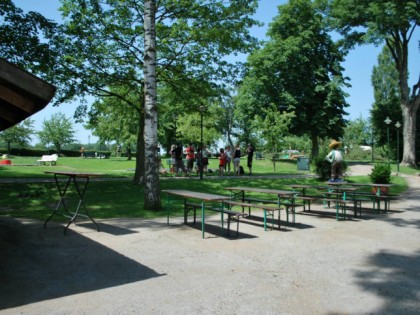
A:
{"x":335,"y":157}
{"x":222,"y":161}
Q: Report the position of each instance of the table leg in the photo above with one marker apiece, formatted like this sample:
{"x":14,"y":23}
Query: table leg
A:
{"x":202,"y":218}
{"x":71,"y":215}
{"x":62,"y":194}
{"x":81,"y":194}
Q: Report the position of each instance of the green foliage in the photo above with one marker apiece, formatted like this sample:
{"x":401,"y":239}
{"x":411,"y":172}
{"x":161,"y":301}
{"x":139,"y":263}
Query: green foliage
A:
{"x":299,"y":71}
{"x":120,"y":198}
{"x":323,"y":167}
{"x":19,"y":134}
{"x":381,"y":173}
{"x":57,"y":131}
{"x":300,"y":143}
{"x":24,"y":39}
{"x":357,"y":132}
{"x":392,"y":22}
{"x":387,"y":100}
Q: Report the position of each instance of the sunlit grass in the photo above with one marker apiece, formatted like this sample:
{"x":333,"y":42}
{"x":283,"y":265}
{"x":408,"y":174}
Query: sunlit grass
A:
{"x":121,"y":198}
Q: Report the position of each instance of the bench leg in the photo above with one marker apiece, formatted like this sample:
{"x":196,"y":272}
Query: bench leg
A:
{"x":230,"y":217}
{"x":288,"y":207}
{"x":194,"y":209}
{"x":304,"y":205}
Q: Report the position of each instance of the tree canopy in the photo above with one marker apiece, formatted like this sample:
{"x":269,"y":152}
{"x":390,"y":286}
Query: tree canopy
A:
{"x":57,"y":131}
{"x":392,"y":22}
{"x":19,"y":134}
{"x":25,"y":40}
{"x":298,"y":70}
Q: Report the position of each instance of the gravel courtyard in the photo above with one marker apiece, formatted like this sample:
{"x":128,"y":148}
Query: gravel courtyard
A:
{"x":368,"y":265}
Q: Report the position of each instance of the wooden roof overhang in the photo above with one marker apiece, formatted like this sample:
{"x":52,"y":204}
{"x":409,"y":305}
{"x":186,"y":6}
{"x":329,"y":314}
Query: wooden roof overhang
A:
{"x":21,"y":94}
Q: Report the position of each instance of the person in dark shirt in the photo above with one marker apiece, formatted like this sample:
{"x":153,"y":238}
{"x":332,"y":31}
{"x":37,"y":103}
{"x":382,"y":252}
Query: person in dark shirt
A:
{"x":250,"y":151}
{"x":236,"y":159}
{"x":179,"y":163}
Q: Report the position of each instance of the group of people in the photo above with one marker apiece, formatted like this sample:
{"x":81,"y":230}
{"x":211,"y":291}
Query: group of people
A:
{"x":227,"y":156}
{"x":200,"y":159}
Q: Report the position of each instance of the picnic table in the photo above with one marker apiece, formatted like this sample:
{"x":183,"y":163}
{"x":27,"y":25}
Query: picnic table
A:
{"x":284,"y":198}
{"x":77,"y":178}
{"x":203,"y":199}
{"x":380,"y":195}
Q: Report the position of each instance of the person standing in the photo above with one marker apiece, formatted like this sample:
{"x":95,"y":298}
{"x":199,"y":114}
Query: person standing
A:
{"x":199,"y":161}
{"x":172,"y":153}
{"x":236,"y":159}
{"x":228,"y":152}
{"x":250,"y":152}
{"x":190,"y":157}
{"x":205,"y":154}
{"x":179,"y":163}
{"x":335,"y":157}
{"x":222,"y":161}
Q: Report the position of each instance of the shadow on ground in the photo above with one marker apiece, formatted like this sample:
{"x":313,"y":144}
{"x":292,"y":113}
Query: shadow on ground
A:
{"x":46,"y":264}
{"x":395,"y":278}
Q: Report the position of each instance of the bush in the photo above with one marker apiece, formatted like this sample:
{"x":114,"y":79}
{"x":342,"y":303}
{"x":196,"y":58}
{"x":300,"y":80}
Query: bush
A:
{"x":323,"y":167}
{"x":381,"y":174}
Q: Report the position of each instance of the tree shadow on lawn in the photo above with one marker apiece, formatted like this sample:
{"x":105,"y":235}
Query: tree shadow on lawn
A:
{"x":39,"y":264}
{"x":395,"y":278}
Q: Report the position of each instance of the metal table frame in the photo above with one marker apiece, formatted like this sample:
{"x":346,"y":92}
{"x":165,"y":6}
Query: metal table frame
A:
{"x":204,"y":197}
{"x":72,"y":177}
{"x":286,"y":195}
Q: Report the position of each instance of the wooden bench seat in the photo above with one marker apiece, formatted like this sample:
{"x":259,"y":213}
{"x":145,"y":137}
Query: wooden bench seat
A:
{"x":376,"y":200}
{"x":268,"y":210}
{"x":232,"y":215}
{"x":308,"y":199}
{"x":342,"y":205}
{"x":290,"y":207}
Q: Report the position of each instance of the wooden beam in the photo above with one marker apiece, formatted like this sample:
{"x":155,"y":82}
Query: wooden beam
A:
{"x":17,"y":100}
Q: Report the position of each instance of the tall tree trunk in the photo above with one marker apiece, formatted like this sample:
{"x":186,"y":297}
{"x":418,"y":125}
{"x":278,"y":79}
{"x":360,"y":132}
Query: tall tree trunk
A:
{"x":315,"y":146}
{"x":409,"y":114}
{"x":151,"y":185}
{"x":140,"y":162}
{"x":409,"y":105}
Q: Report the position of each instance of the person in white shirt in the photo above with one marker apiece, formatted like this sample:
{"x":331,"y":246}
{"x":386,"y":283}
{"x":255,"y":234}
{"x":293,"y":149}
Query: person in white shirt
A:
{"x":335,"y":157}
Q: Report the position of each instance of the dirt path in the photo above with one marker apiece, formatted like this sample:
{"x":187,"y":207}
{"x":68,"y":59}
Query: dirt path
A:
{"x":369,"y":265}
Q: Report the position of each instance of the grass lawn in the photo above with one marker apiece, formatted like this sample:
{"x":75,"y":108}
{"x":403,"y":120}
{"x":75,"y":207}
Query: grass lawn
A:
{"x":120,"y":198}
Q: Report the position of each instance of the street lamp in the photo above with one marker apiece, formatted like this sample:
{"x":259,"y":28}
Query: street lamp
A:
{"x":201,"y":109}
{"x":398,"y":125}
{"x":388,"y":122}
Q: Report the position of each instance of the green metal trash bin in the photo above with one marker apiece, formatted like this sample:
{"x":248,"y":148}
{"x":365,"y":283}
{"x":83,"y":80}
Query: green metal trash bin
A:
{"x":303,"y":163}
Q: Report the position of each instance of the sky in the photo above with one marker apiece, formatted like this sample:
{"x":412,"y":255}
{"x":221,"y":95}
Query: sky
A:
{"x":358,"y":65}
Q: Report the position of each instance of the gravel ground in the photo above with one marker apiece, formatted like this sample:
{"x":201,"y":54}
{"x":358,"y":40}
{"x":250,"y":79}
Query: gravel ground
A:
{"x":368,"y":265}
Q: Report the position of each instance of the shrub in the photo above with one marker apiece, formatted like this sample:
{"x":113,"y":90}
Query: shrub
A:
{"x":323,"y":167}
{"x":381,"y":174}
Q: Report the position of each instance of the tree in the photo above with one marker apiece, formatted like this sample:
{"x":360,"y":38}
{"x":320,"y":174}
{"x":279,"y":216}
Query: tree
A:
{"x":357,"y":132}
{"x":25,"y":40}
{"x":57,"y":131}
{"x":104,"y":47}
{"x":19,"y":134}
{"x":387,"y":97}
{"x":272,"y":128}
{"x":299,"y":71}
{"x":392,"y":22}
{"x":112,"y":122}
{"x":152,"y":187}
